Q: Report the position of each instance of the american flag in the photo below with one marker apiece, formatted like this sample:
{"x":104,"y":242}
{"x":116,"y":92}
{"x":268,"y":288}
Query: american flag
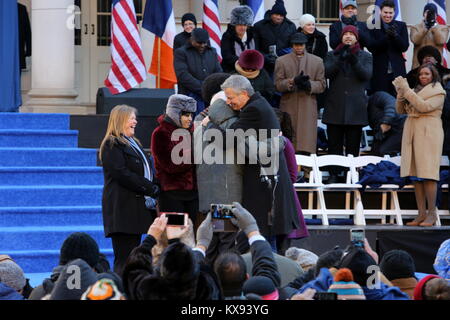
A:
{"x":441,"y":18}
{"x":212,"y":24}
{"x":127,"y":65}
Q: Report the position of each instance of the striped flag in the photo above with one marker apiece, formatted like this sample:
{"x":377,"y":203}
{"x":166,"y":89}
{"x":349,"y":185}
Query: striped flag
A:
{"x":211,"y":23}
{"x":257,"y":8}
{"x":159,"y":19}
{"x":441,"y":18}
{"x":127,"y":65}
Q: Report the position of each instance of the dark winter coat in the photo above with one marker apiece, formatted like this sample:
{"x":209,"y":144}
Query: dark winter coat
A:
{"x":346,"y":102}
{"x":123,"y":202}
{"x":257,"y":195}
{"x":263,"y":84}
{"x":317,"y":43}
{"x":181,"y":39}
{"x":446,"y":121}
{"x":143,"y":282}
{"x":232,"y":47}
{"x":266,"y":34}
{"x":24,"y":35}
{"x":171,"y":176}
{"x":192,"y":67}
{"x":384,"y":50}
{"x":336,"y":31}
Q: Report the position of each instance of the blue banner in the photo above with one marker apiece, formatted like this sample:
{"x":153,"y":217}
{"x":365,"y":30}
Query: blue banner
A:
{"x":10,"y":96}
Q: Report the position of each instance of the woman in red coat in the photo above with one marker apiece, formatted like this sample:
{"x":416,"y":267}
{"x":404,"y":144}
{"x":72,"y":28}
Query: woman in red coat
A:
{"x":176,"y":173}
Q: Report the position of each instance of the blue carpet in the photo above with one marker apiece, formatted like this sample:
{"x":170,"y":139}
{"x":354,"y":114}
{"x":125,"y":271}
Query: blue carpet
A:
{"x":49,"y":189}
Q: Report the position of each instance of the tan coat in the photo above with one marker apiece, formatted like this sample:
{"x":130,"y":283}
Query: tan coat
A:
{"x":301,"y":106}
{"x":423,"y":135}
{"x":421,"y":37}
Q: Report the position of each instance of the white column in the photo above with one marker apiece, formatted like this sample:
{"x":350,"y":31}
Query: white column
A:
{"x":53,"y":59}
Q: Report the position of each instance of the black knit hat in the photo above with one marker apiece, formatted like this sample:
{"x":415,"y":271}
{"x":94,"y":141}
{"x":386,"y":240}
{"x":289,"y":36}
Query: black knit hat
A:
{"x":262,"y":286}
{"x":188,"y":16}
{"x":278,"y":8}
{"x":358,"y":260}
{"x":397,"y":264}
{"x":79,"y":245}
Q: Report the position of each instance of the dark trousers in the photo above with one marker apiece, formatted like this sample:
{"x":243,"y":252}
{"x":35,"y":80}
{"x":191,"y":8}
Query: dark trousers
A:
{"x":340,"y":136}
{"x":180,"y":201}
{"x":123,"y":244}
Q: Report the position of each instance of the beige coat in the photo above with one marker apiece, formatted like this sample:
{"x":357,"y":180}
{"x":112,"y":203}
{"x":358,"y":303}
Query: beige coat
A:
{"x":423,"y":135}
{"x":421,"y":37}
{"x":301,"y":105}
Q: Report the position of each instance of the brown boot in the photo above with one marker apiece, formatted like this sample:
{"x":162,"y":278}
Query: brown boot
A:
{"x":431,"y":218}
{"x":418,"y":220}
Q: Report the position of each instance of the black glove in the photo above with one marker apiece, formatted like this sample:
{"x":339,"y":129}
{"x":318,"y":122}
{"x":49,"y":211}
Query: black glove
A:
{"x":352,"y":21}
{"x":345,"y":52}
{"x":430,"y":19}
{"x":392,"y":31}
{"x":352,"y":58}
{"x":302,"y":82}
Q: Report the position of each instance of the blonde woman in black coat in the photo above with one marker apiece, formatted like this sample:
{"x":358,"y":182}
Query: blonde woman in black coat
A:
{"x":128,"y":202}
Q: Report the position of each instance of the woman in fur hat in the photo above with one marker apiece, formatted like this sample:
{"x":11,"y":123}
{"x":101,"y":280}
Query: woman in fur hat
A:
{"x":177,"y":176}
{"x":238,"y":37}
{"x":251,"y":65}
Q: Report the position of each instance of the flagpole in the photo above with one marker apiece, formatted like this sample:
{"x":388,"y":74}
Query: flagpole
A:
{"x":159,"y":64}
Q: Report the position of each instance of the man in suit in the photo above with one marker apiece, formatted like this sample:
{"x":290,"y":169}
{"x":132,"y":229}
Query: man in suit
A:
{"x":387,"y":45}
{"x":24,"y":35}
{"x":349,"y":16}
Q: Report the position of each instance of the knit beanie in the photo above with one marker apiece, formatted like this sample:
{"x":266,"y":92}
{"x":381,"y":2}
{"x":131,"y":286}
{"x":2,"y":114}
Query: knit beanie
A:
{"x":420,"y":287}
{"x":397,"y":264}
{"x":305,"y":19}
{"x":278,"y":8}
{"x":79,"y":245}
{"x":352,"y":29}
{"x":188,"y":17}
{"x":103,"y":289}
{"x":11,"y":274}
{"x":262,"y":286}
{"x":74,"y":280}
{"x":442,"y":261}
{"x":242,"y":15}
{"x":306,"y":259}
{"x":358,"y":260}
{"x":345,"y":287}
{"x":177,"y":104}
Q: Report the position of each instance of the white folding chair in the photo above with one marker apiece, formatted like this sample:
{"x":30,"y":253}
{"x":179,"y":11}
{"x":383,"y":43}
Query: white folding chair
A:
{"x":366,"y":139}
{"x":348,"y":187}
{"x":311,"y":187}
{"x":394,"y":209}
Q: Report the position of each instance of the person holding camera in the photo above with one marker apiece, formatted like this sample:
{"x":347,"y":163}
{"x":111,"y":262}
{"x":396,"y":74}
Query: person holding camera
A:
{"x":300,"y":76}
{"x":428,"y":33}
{"x":349,"y":69}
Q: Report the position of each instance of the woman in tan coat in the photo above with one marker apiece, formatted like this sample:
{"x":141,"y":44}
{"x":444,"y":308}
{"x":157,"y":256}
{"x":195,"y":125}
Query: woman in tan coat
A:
{"x":422,"y":139}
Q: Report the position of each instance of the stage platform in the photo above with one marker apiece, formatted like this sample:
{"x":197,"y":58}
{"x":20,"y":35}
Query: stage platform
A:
{"x":421,"y":243}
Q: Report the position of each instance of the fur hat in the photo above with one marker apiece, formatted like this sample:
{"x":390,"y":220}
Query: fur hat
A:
{"x":306,"y":18}
{"x":430,"y":7}
{"x":11,"y":274}
{"x":397,"y":264}
{"x":177,"y":104}
{"x":345,"y":287}
{"x":176,"y":255}
{"x":251,"y":59}
{"x":306,"y":259}
{"x":358,"y":260}
{"x":352,"y":29}
{"x":279,"y":8}
{"x":242,"y":15}
{"x":262,"y":286}
{"x":74,"y":280}
{"x":429,"y":51}
{"x":211,"y":85}
{"x":188,"y":17}
{"x":79,"y":245}
{"x":420,"y":287}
